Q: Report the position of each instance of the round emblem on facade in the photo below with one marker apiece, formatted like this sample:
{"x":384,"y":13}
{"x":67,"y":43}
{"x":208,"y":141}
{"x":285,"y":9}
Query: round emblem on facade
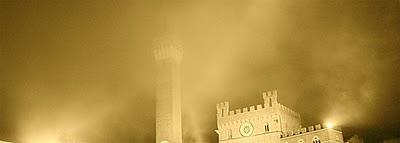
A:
{"x":246,"y":129}
{"x":164,"y":141}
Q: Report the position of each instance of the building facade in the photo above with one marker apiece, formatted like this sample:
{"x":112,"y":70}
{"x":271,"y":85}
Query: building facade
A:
{"x":270,"y":122}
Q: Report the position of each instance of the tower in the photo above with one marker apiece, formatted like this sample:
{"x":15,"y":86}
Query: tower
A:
{"x":270,"y":98}
{"x":168,"y":55}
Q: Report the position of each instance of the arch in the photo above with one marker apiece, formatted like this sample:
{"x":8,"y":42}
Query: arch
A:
{"x":316,"y":139}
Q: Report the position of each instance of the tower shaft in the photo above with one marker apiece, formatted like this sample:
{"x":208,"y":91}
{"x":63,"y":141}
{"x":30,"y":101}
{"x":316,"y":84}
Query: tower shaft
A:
{"x":168,"y":94}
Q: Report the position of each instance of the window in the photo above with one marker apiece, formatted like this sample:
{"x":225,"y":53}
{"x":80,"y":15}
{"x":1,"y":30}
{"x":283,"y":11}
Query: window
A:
{"x":229,"y":134}
{"x":266,"y":128}
{"x":316,"y":140}
{"x":301,"y":141}
{"x":270,"y":102}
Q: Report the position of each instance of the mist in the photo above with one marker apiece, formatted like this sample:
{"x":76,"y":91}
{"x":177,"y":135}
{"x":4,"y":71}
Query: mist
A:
{"x":85,"y":71}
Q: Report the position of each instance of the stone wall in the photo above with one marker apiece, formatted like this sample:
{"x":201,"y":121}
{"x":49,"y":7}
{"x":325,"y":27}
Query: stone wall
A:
{"x":324,"y":135}
{"x":265,"y":118}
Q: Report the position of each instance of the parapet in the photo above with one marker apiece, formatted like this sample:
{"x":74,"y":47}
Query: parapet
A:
{"x":168,"y":48}
{"x":306,"y":130}
{"x":288,"y":110}
{"x":245,"y":109}
{"x":269,"y":96}
{"x":223,"y":109}
{"x":252,"y":108}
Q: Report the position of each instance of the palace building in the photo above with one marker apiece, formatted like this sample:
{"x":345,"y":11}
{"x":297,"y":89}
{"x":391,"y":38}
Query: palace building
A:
{"x":270,"y":122}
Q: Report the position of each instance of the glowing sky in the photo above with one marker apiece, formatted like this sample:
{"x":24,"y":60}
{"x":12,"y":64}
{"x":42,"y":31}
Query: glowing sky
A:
{"x":84,"y":70}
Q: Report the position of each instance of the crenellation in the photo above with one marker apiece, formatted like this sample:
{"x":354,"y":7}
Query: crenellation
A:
{"x":291,"y":133}
{"x":259,"y":107}
{"x":231,"y":113}
{"x":298,"y":131}
{"x":303,"y":130}
{"x":238,"y":111}
{"x":225,"y":108}
{"x":168,"y":49}
{"x":311,"y":128}
{"x":318,"y":127}
{"x":221,"y":107}
{"x":245,"y":109}
{"x":252,"y":108}
{"x":288,"y":110}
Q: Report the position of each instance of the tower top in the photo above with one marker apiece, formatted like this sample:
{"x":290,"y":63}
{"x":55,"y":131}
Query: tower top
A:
{"x":168,"y":48}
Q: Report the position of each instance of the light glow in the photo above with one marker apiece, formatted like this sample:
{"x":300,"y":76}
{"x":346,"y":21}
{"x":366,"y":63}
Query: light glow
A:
{"x":329,"y":125}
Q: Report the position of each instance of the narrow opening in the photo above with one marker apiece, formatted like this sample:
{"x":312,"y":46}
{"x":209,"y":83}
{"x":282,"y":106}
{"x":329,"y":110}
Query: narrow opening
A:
{"x":270,"y":102}
{"x":266,"y":128}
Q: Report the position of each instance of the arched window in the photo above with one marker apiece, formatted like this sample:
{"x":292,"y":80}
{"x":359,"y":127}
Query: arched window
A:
{"x":316,"y":140}
{"x":301,"y":141}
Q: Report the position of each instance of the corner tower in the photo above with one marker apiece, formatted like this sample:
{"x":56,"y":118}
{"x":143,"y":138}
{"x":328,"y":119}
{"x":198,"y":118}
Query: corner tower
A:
{"x":263,"y":123}
{"x":168,"y":56}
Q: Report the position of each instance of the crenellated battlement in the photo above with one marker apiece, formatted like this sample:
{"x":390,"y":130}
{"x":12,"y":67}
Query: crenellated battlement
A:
{"x":270,"y":98}
{"x":168,"y":48}
{"x":222,"y":109}
{"x":270,"y":103}
{"x":304,"y":130}
{"x":288,"y":110}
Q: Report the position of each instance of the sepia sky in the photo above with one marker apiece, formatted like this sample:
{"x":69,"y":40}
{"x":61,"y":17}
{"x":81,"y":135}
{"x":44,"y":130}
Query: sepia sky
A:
{"x":83,"y":69}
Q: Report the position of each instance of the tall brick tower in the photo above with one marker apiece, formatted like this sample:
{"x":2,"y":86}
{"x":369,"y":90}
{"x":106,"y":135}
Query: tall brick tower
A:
{"x":168,"y":55}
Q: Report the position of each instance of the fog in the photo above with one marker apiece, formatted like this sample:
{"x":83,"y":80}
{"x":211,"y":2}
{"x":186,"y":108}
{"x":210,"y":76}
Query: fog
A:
{"x":84,"y":70}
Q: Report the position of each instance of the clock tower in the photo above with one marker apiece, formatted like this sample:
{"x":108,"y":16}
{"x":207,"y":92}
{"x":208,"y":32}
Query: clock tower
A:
{"x":168,"y":56}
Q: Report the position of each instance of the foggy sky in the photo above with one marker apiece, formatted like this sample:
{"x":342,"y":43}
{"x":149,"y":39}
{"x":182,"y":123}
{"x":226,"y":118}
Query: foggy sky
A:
{"x":84,"y":69}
